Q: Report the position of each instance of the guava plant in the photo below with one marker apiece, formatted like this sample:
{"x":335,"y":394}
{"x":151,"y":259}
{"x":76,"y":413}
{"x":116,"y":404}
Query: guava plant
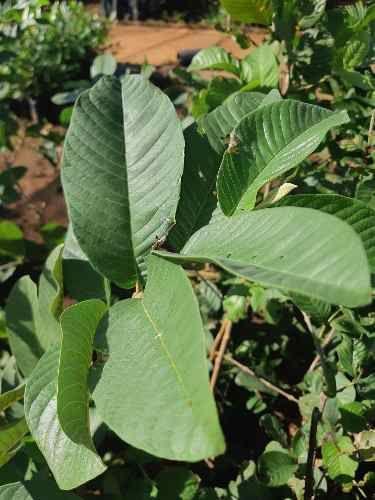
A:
{"x":146,"y":197}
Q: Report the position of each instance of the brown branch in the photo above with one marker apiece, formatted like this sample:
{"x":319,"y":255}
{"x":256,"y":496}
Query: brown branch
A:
{"x":217,"y":341}
{"x":220,"y":355}
{"x":265,"y":382}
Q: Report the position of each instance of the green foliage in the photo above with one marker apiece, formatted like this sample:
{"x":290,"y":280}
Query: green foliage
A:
{"x":119,"y":381}
{"x":45,"y":44}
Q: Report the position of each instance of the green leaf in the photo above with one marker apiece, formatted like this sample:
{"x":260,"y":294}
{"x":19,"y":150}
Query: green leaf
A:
{"x":260,"y":69}
{"x":22,"y":315}
{"x":10,"y":435}
{"x":214,"y":58}
{"x":312,"y":13}
{"x":177,"y":483}
{"x":353,"y":417}
{"x":11,"y":240}
{"x":218,"y":124}
{"x":295,"y":249}
{"x":10,"y":397}
{"x":51,"y":295}
{"x":122,"y":168}
{"x":38,"y":489}
{"x":275,"y":468}
{"x":354,"y":212}
{"x":71,"y":463}
{"x":249,"y":11}
{"x":337,"y":461}
{"x":32,"y":318}
{"x":148,"y":393}
{"x":78,"y":325}
{"x":270,"y":141}
{"x":198,"y":199}
{"x":91,"y":284}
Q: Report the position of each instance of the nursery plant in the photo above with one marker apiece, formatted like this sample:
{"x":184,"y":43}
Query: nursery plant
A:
{"x":149,"y":205}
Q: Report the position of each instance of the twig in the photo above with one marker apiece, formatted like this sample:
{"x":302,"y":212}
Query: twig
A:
{"x":220,"y":355}
{"x":265,"y":382}
{"x":309,"y":476}
{"x":217,"y":341}
{"x":325,"y":342}
{"x":371,"y":128}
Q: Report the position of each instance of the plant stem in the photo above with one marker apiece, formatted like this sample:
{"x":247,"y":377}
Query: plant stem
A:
{"x":227,"y":328}
{"x":325,"y":342}
{"x":217,"y":341}
{"x":265,"y":382}
{"x":309,"y":477}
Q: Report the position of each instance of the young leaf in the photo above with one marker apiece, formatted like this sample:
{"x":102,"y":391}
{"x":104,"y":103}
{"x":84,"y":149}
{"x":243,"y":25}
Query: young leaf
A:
{"x":275,"y":468}
{"x":354,"y":212}
{"x":148,"y":392}
{"x":214,"y":58}
{"x":296,"y":249}
{"x":78,"y":326}
{"x":35,"y":489}
{"x":11,"y":240}
{"x":259,"y":69}
{"x":336,"y":459}
{"x":122,"y":168}
{"x":270,"y":141}
{"x":10,"y":435}
{"x":249,"y":11}
{"x":71,"y":463}
{"x":10,"y":397}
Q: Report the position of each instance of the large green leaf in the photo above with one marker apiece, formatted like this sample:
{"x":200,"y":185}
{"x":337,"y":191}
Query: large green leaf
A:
{"x":260,"y":68}
{"x":122,"y":168}
{"x":249,"y":11}
{"x":268,"y":142}
{"x":203,"y":150}
{"x":91,"y":284}
{"x":78,"y":326}
{"x":215,"y":58}
{"x":153,"y":390}
{"x":354,"y":212}
{"x":198,"y":199}
{"x":22,"y":315}
{"x":296,"y":249}
{"x":51,"y":294}
{"x":218,"y":124}
{"x":71,"y":463}
{"x":32,"y":317}
{"x":38,"y":489}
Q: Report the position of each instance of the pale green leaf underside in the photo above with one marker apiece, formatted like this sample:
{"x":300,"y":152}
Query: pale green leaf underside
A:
{"x":295,"y":249}
{"x":356,"y":213}
{"x":78,"y":326}
{"x":34,"y":490}
{"x":72,"y":464}
{"x":122,"y":167}
{"x":154,"y":390}
{"x":214,"y":58}
{"x":270,"y":141}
